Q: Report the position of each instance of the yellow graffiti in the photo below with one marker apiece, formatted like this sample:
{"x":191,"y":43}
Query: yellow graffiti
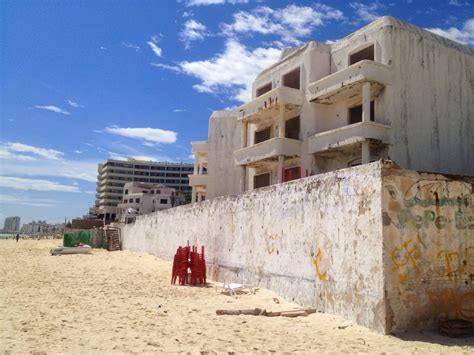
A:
{"x":403,"y":255}
{"x":317,"y":258}
{"x":453,"y":303}
{"x":455,"y":266}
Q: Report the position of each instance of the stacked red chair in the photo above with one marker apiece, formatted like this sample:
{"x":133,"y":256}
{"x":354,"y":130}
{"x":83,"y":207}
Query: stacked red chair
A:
{"x":189,"y":267}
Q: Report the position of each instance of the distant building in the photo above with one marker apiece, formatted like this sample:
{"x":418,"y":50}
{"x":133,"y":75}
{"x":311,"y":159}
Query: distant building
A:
{"x":11,"y":225}
{"x":114,"y":174}
{"x":198,"y":180}
{"x":40,"y":227}
{"x":141,"y":198}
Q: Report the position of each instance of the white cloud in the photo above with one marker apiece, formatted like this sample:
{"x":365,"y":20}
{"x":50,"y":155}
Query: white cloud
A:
{"x":156,"y":135}
{"x":179,"y":110}
{"x":74,"y":104}
{"x":214,"y":2}
{"x":8,"y":155}
{"x":153,"y":45}
{"x":192,"y":31}
{"x":34,"y":184}
{"x":233,"y":71}
{"x":97,"y":131}
{"x":131,"y":46}
{"x":10,"y":147}
{"x":145,"y":158}
{"x":289,"y":23}
{"x":103,"y":48}
{"x":77,"y":151}
{"x":173,"y":68}
{"x":23,"y":201}
{"x":465,"y":35}
{"x":53,"y":109}
{"x":366,"y":12}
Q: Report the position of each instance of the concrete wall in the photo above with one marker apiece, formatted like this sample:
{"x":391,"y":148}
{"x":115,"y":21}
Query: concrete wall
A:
{"x":428,"y":247}
{"x":316,"y":241}
{"x":224,"y":139}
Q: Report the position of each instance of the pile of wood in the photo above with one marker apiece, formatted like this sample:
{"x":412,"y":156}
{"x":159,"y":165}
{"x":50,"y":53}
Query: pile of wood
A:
{"x":456,"y":328}
{"x":263,"y":312}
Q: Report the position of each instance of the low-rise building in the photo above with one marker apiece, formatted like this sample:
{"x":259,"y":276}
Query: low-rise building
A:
{"x":114,"y":174}
{"x":198,"y":180}
{"x":390,"y":90}
{"x":142,"y":198}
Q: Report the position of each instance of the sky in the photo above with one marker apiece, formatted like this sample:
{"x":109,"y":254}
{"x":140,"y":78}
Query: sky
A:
{"x":87,"y":80}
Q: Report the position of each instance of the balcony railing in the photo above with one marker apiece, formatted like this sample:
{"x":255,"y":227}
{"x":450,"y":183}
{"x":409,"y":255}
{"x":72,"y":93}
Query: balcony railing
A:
{"x":347,"y":82}
{"x":198,"y":180}
{"x":267,"y":105}
{"x":268,"y":150}
{"x":347,"y":135}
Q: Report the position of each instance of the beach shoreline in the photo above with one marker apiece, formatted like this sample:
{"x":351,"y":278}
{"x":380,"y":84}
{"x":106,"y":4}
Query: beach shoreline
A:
{"x":123,"y":302}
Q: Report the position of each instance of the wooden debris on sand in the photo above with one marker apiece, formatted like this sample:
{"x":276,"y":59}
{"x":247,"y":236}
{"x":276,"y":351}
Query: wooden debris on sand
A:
{"x":263,"y":312}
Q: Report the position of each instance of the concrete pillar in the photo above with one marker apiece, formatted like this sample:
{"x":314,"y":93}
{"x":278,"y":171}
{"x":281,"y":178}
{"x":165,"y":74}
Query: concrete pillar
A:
{"x":366,"y":102}
{"x":365,"y":152}
{"x":200,"y":169}
{"x":196,"y":164}
{"x":281,"y":121}
{"x":243,"y":134}
{"x":193,"y":194}
{"x":199,"y":197}
{"x":243,"y":176}
{"x":281,"y":162}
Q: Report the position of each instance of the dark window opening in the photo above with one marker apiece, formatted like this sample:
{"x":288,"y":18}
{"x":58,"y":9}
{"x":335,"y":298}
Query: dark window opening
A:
{"x":262,"y":135}
{"x":126,"y":192}
{"x":137,"y":200}
{"x":366,"y":53}
{"x":292,"y":128}
{"x":263,"y":89}
{"x":261,"y":180}
{"x":292,"y":173}
{"x":355,"y":113}
{"x":292,"y":79}
{"x":163,"y":201}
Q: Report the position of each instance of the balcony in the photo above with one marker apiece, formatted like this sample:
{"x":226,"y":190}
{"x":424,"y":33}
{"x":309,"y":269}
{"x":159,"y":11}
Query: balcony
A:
{"x":268,"y":150}
{"x":200,"y":147}
{"x":198,"y":180}
{"x":348,"y":135}
{"x":347,"y":83}
{"x":267,"y":106}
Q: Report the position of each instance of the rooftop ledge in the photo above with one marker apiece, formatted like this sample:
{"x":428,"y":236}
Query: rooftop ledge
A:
{"x":198,"y":180}
{"x":267,"y":105}
{"x":200,"y":147}
{"x":268,"y":150}
{"x":347,"y":82}
{"x":347,"y":135}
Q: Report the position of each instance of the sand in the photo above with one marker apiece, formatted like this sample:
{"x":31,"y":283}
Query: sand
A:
{"x":123,"y":302}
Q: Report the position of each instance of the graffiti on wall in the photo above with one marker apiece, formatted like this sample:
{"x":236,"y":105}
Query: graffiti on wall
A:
{"x":431,"y":251}
{"x":322,"y":275}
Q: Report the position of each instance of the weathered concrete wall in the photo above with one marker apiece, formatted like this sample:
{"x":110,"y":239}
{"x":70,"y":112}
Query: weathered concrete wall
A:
{"x":317,"y":241}
{"x":224,"y":139}
{"x":428,"y":247}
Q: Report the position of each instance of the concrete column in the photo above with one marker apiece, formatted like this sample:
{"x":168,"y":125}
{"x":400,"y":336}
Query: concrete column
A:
{"x":196,"y":164}
{"x":365,"y":152}
{"x":193,"y":194}
{"x":243,"y":176}
{"x":200,"y":169}
{"x":281,"y":122}
{"x":281,"y":162}
{"x":366,"y":102}
{"x":199,"y":197}
{"x":243,"y":134}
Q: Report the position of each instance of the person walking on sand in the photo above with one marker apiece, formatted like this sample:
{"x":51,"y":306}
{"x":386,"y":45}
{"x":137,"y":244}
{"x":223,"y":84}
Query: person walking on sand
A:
{"x":17,"y":237}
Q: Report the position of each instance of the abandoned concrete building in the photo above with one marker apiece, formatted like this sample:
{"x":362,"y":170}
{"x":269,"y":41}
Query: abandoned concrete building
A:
{"x":388,"y":91}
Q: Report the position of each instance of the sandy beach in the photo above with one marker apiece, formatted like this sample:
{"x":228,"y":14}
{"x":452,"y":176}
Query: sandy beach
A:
{"x":123,"y":302}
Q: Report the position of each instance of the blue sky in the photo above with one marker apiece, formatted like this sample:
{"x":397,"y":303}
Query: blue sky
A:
{"x":82,"y":81}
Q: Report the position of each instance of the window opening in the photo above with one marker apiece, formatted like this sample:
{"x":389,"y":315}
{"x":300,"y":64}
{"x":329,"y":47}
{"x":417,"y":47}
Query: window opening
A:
{"x":262,"y":135}
{"x":292,"y":128}
{"x":261,"y":180}
{"x":292,"y":79}
{"x":263,"y":89}
{"x":366,"y":53}
{"x":355,"y":113}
